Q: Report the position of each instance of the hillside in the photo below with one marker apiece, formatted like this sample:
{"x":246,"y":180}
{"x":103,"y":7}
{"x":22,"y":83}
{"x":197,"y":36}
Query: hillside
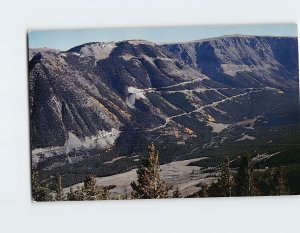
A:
{"x":100,"y":101}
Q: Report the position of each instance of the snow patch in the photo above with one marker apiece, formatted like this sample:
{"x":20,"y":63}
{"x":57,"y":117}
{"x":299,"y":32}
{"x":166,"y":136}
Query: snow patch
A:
{"x":133,"y":95}
{"x":72,"y":142}
{"x":99,"y":50}
{"x":217,"y":127}
{"x":245,"y":137}
{"x":115,"y":159}
{"x":103,"y":139}
{"x":232,"y":69}
{"x":138,"y":42}
{"x":264,"y":156}
{"x":77,"y":54}
{"x":44,"y":153}
{"x":127,"y":57}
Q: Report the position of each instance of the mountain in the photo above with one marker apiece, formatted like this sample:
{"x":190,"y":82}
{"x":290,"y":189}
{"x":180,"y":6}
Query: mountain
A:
{"x":99,"y":101}
{"x":82,"y":93}
{"x":243,"y":61}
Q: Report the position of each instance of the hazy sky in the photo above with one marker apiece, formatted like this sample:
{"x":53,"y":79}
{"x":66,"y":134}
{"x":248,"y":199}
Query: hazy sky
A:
{"x":66,"y":39}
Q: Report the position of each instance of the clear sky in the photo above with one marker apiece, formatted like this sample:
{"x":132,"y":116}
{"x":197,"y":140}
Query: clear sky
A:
{"x":66,"y":39}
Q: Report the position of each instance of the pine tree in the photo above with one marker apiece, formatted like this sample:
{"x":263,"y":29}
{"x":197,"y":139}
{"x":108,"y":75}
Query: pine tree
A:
{"x":279,"y":184}
{"x":271,"y":182}
{"x":94,"y":192}
{"x":203,"y":192}
{"x":89,"y":191}
{"x":223,"y":186}
{"x":264,"y":183}
{"x":244,"y":179}
{"x":225,"y":181}
{"x":40,"y":190}
{"x":76,"y":195}
{"x":59,"y":194}
{"x":149,"y":185}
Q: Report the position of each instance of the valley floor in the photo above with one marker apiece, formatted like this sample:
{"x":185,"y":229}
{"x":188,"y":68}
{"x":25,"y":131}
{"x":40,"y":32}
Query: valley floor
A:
{"x":177,"y":173}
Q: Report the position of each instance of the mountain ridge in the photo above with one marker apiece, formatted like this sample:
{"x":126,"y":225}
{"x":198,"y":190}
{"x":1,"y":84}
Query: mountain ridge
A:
{"x":225,"y":57}
{"x":162,"y":43}
{"x":117,"y":98}
{"x":226,"y":36}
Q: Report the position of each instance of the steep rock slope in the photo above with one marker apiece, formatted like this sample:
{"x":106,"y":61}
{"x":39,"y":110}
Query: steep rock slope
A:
{"x":189,"y":98}
{"x":243,"y":61}
{"x":99,"y":87}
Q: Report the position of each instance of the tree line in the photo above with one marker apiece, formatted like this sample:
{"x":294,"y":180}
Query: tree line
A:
{"x":245,"y":182}
{"x":149,"y":184}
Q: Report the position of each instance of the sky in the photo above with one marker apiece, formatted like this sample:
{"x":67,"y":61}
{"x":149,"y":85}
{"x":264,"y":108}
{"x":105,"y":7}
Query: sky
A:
{"x":66,"y":39}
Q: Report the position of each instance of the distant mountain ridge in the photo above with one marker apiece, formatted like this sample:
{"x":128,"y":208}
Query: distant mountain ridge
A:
{"x":224,"y":58}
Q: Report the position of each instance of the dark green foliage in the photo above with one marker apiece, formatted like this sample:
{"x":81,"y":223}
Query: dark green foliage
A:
{"x":200,"y":128}
{"x":214,"y":190}
{"x":180,"y":100}
{"x":247,"y":183}
{"x":149,"y":185}
{"x":263,"y":182}
{"x":271,"y":182}
{"x":223,"y":186}
{"x":292,"y":174}
{"x":159,"y":102}
{"x":225,"y":180}
{"x":76,"y":195}
{"x":75,"y":173}
{"x":203,"y":192}
{"x":285,"y":157}
{"x":244,"y":185}
{"x":59,"y":193}
{"x":209,"y":96}
{"x":90,"y":191}
{"x":40,"y":190}
{"x":279,"y":183}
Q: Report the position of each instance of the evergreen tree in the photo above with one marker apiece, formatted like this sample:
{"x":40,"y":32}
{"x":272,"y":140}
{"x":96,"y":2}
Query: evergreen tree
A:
{"x":264,"y":183}
{"x":149,"y":185}
{"x":203,"y":192}
{"x":76,"y":195}
{"x":214,"y":190}
{"x":92,"y":191}
{"x":244,"y":179}
{"x":223,"y":186}
{"x":59,"y":194}
{"x":40,"y":190}
{"x":280,"y":186}
{"x":89,"y":191}
{"x":225,"y":181}
{"x":271,"y":182}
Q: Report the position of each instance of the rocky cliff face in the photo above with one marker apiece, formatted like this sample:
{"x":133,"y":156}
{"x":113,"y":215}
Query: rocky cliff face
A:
{"x":187,"y":96}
